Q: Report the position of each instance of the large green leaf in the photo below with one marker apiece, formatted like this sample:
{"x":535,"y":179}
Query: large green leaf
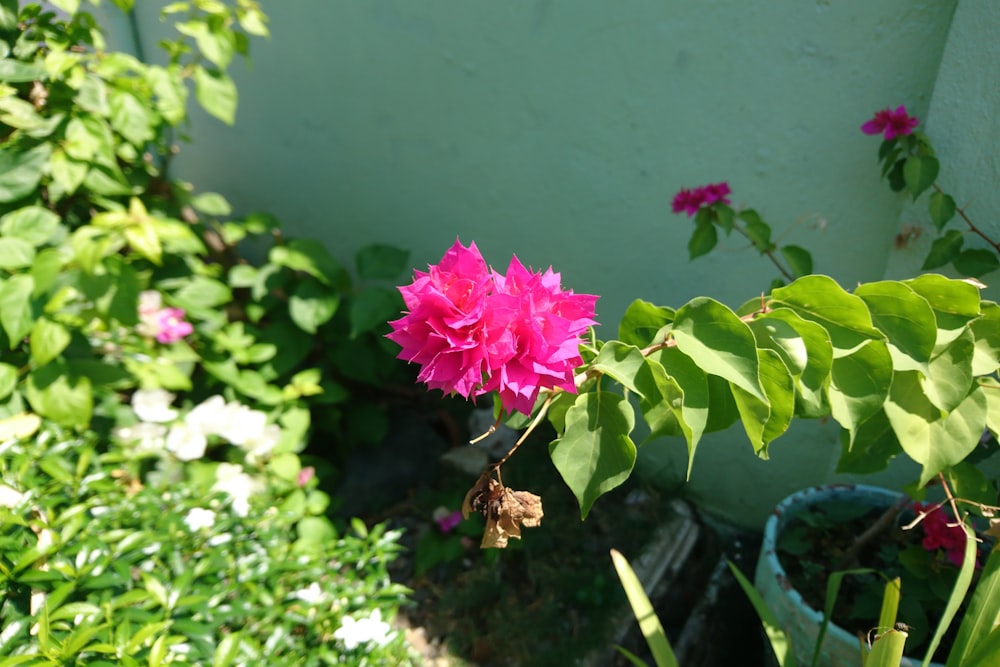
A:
{"x":32,"y":224}
{"x":48,"y":340}
{"x":766,"y":420}
{"x":906,"y":319}
{"x":677,"y":402}
{"x":820,"y":299}
{"x":929,"y":437}
{"x":620,"y":362}
{"x":956,"y":303}
{"x":859,"y":384}
{"x":21,"y":171}
{"x":703,"y":239}
{"x":311,"y":305}
{"x":15,"y":307}
{"x":171,"y":94}
{"x":131,"y":118}
{"x":649,"y":623}
{"x":719,"y":342}
{"x":595,"y":453}
{"x":642,"y":321}
{"x":57,"y":393}
{"x":986,"y":332}
{"x":944,"y":250}
{"x":982,"y":617}
{"x":783,"y":331}
{"x":371,"y":307}
{"x":949,"y":374}
{"x":67,"y":174}
{"x":869,"y":447}
{"x":309,"y":256}
{"x":216,"y":93}
{"x":15,"y":253}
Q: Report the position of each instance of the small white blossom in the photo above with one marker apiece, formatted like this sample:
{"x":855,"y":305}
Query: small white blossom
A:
{"x":185,"y":443}
{"x":230,"y":478}
{"x":260,"y":445}
{"x":199,"y":518}
{"x":10,"y":497}
{"x":242,"y":424}
{"x":312,"y":594}
{"x":372,"y":629}
{"x":207,"y":416}
{"x":149,"y":438}
{"x":153,"y":405}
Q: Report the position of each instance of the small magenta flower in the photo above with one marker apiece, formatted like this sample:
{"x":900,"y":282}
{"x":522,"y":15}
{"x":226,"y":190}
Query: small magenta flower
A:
{"x":939,"y":533}
{"x":172,"y":326}
{"x":891,"y":123}
{"x":447,"y":521}
{"x":690,"y":200}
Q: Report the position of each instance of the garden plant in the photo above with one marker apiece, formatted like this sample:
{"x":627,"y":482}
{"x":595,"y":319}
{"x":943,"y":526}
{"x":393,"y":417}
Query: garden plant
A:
{"x":903,"y":366}
{"x":162,"y":375}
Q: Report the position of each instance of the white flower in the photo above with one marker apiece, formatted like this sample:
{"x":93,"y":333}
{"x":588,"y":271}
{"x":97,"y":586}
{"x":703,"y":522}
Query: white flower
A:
{"x":199,"y":518}
{"x":230,"y":479}
{"x":185,"y":443}
{"x":10,"y":497}
{"x":242,"y":424}
{"x":260,"y":445}
{"x":148,"y":437}
{"x":356,"y":632}
{"x":153,"y":405}
{"x":312,"y":594}
{"x":207,"y":417}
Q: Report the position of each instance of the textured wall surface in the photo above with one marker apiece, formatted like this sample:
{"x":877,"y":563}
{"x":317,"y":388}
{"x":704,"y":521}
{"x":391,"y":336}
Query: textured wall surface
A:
{"x":560,"y":131}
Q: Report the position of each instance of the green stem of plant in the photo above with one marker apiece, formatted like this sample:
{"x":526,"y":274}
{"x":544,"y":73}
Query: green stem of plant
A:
{"x":972,"y":227}
{"x":770,"y":254}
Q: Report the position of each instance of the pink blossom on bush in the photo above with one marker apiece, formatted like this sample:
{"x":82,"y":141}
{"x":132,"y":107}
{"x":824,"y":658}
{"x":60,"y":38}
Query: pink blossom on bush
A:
{"x":443,"y":330}
{"x":942,"y":533}
{"x":172,"y":326}
{"x":474,"y":331}
{"x":690,"y":201}
{"x":447,"y":520}
{"x":533,"y":339}
{"x":891,"y":123}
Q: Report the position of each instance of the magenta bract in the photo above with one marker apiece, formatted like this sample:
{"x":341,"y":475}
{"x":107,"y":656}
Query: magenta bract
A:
{"x":689,"y":200}
{"x":891,"y":123}
{"x":474,"y":330}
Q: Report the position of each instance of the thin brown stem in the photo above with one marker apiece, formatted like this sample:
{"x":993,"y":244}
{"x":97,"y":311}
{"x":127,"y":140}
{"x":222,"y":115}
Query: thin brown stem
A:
{"x":972,"y":227}
{"x":880,"y":526}
{"x":770,"y":255}
{"x":524,"y":436}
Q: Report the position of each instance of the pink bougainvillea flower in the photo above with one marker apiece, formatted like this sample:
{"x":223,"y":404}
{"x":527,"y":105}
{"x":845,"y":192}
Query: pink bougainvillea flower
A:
{"x":447,"y":520}
{"x":890,"y":123}
{"x":443,"y":328}
{"x":171,"y":326}
{"x":533,"y":335}
{"x":690,"y":201}
{"x":474,"y":331}
{"x":940,"y":533}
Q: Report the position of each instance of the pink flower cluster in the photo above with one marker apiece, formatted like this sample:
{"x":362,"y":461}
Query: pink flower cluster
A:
{"x":690,"y":200}
{"x":474,"y":330}
{"x":942,"y":533}
{"x":891,"y":123}
{"x":167,"y":325}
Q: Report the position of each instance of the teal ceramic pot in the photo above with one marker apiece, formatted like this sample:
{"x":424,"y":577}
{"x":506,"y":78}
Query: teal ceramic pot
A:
{"x":802,"y":622}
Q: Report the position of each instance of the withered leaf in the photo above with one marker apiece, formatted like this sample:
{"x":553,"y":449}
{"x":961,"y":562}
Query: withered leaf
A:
{"x":505,"y":510}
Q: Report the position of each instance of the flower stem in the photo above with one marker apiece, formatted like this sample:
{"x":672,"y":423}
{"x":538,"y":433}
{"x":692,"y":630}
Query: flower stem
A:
{"x":880,"y":526}
{"x":972,"y":227}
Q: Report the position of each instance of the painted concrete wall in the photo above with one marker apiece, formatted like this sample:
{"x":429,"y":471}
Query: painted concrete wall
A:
{"x":560,"y":131}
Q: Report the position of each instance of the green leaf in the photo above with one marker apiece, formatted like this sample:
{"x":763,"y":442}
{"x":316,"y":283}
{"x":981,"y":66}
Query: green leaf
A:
{"x":8,"y":380}
{"x":595,"y":453}
{"x":759,"y":233}
{"x":859,"y":384}
{"x":67,"y":174}
{"x":948,"y":377}
{"x":765,"y":420}
{"x":211,"y":203}
{"x":719,"y":342}
{"x":976,"y":262}
{"x":312,"y":305}
{"x":15,"y":253}
{"x":933,"y":440}
{"x":799,"y":260}
{"x":218,"y":46}
{"x":371,"y":308}
{"x":15,"y":307}
{"x":942,"y":209}
{"x":216,"y":93}
{"x":309,"y":256}
{"x":683,"y":391}
{"x":649,"y":623}
{"x":962,"y":583}
{"x":919,"y":173}
{"x":132,"y":119}
{"x":887,"y":649}
{"x":21,"y":171}
{"x":780,"y":642}
{"x":48,"y":339}
{"x":820,"y":299}
{"x":381,"y":262}
{"x":956,"y":303}
{"x":227,"y":651}
{"x":202,"y":294}
{"x":703,"y":239}
{"x":981,"y":618}
{"x":943,"y":250}
{"x":170,"y":91}
{"x":621,"y":363}
{"x":905,"y":318}
{"x":57,"y":393}
{"x":93,"y":95}
{"x":805,"y":349}
{"x":986,"y":332}
{"x":33,"y":224}
{"x":868,"y":447}
{"x":642,"y":321}
{"x":15,"y":71}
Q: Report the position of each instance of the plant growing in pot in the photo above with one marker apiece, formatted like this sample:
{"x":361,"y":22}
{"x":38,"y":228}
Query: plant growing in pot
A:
{"x":905,"y":367}
{"x":827,"y":548}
